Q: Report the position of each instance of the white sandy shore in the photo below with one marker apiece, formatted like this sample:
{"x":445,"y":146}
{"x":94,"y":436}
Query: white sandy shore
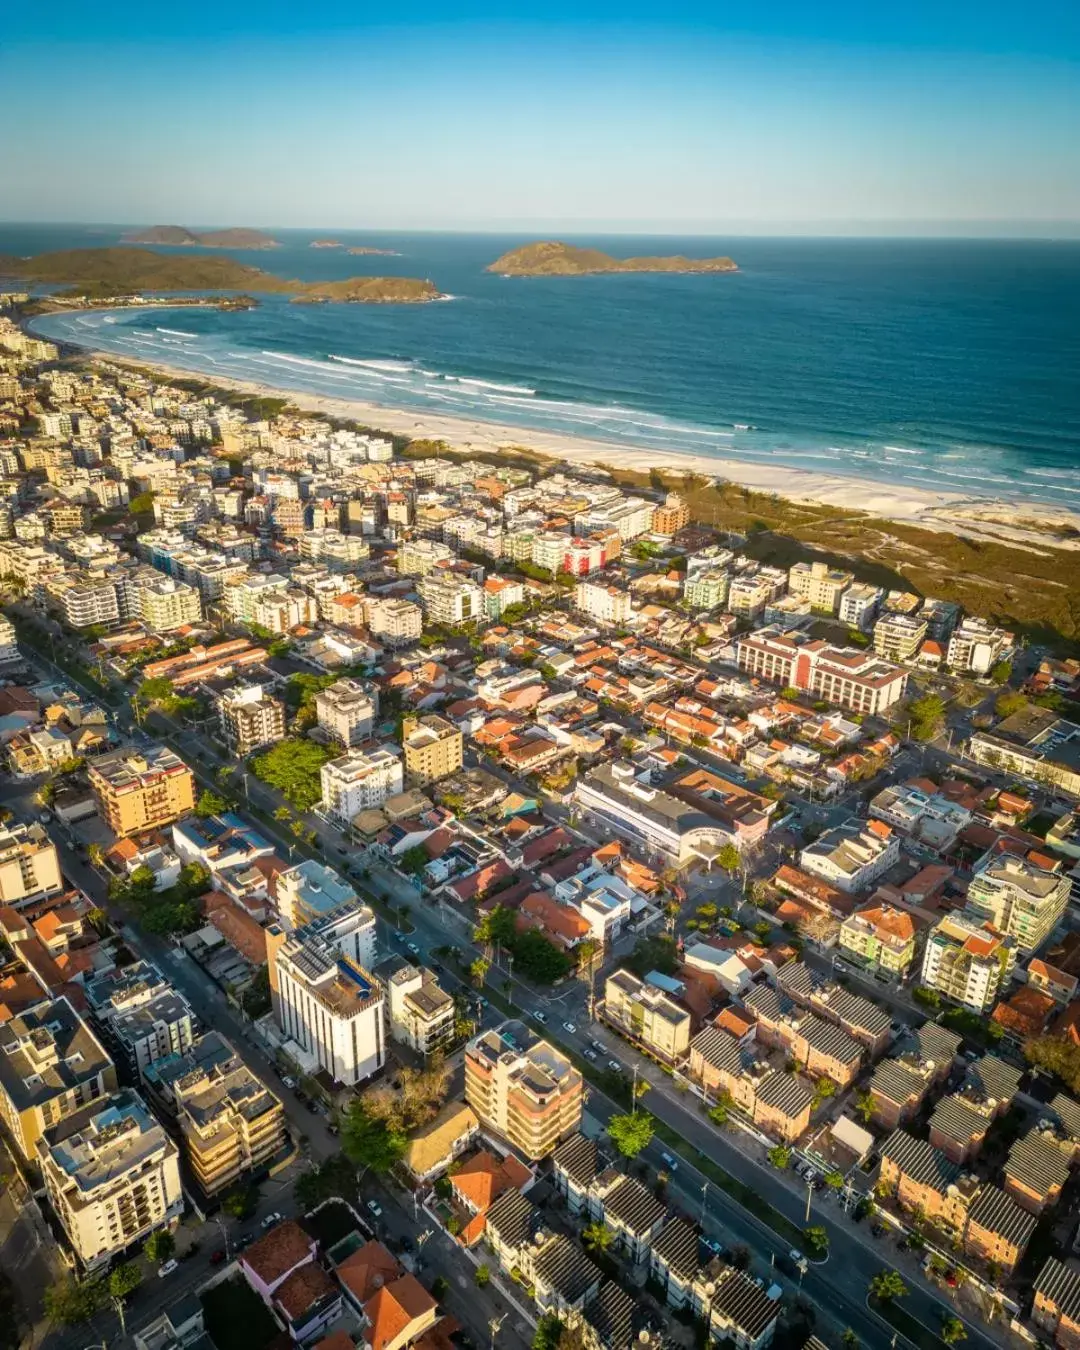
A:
{"x":980,"y":517}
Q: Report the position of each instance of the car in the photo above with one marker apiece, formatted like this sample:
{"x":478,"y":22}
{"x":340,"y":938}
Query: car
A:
{"x":837,"y":964}
{"x":714,"y":1245}
{"x":796,"y":1257}
{"x":399,"y":936}
{"x":669,"y":1162}
{"x":540,"y":1016}
{"x":217,"y":1257}
{"x":375,"y":1208}
{"x":311,"y":1106}
{"x":412,"y":947}
{"x":271,"y":1219}
{"x":614,"y":1066}
{"x":288,"y":1082}
{"x":168,"y":1268}
{"x":598,"y":1046}
{"x":570,"y":1027}
{"x":591,"y":1054}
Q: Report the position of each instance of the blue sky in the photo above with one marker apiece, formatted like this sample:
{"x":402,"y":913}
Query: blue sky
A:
{"x":953,"y":117}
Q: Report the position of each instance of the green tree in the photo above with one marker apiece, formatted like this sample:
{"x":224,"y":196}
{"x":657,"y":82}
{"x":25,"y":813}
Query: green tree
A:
{"x":538,"y":959}
{"x":849,"y":1340}
{"x":886,"y":1285}
{"x":1055,"y":1055}
{"x":834,"y":1180}
{"x":497,"y":928}
{"x":864,"y":1105}
{"x":817,"y":1240}
{"x":1001,"y":673}
{"x":1009,"y":702}
{"x":596,"y":1237}
{"x":630,"y":1133}
{"x":482,"y":1276}
{"x":141,"y":505}
{"x":71,"y":1301}
{"x":953,"y":1330}
{"x":293,"y":767}
{"x":478,"y":970}
{"x":241,"y":1202}
{"x":415,"y":859}
{"x":729,"y":858}
{"x":780,"y":1157}
{"x":159,"y":1246}
{"x":211,"y":803}
{"x":124,"y":1280}
{"x":548,"y":1334}
{"x":370,"y":1141}
{"x":927,"y":715}
{"x":654,"y":953}
{"x":440,"y":1287}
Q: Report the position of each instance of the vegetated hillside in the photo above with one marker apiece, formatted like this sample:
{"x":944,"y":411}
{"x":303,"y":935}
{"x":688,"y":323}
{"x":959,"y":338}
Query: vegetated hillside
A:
{"x":1033,"y":592}
{"x":366,"y":251}
{"x":125,"y":270}
{"x":553,"y":259}
{"x":367,"y":291}
{"x":178,"y":236}
{"x":98,"y":272}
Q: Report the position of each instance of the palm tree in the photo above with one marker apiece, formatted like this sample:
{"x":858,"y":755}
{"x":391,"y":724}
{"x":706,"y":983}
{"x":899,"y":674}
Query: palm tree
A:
{"x":596,"y":1237}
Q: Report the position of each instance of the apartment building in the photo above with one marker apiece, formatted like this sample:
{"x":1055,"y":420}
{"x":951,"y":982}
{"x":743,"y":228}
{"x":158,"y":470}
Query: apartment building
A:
{"x":141,"y":789}
{"x":843,"y":676}
{"x":707,"y":590}
{"x":1035,"y":743}
{"x":647,"y":1016}
{"x":941,"y":617}
{"x":977,"y":646}
{"x":603,"y":602}
{"x":51,"y":1065}
{"x":325,"y":1001}
{"x":1037,"y":1169}
{"x":420,"y":557}
{"x":90,"y":603}
{"x":822,"y":585}
{"x":1019,"y":898}
{"x":347,"y":710}
{"x":859,"y":606}
{"x":359,"y":780}
{"x":777,"y":1102}
{"x":1055,"y":1307}
{"x":396,"y":623}
{"x":231,"y":1124}
{"x":899,"y":1087}
{"x":880,"y":937}
{"x":823,"y":1049}
{"x":672,"y":517}
{"x":310,"y":891}
{"x":422,"y":1013}
{"x":522,"y":1088}
{"x":29,"y":866}
{"x":434,"y":748}
{"x":165,"y":604}
{"x":141,"y":1017}
{"x":897,"y":637}
{"x":930,"y":817}
{"x":748,"y":594}
{"x":967,"y":962}
{"x":451,"y":599}
{"x":112,"y":1176}
{"x":250,"y":717}
{"x":852,"y":856}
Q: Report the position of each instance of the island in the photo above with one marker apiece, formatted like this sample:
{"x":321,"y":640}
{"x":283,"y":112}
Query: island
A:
{"x":178,"y":236}
{"x":551,"y":258}
{"x":363,"y":250}
{"x":325,"y":243}
{"x":97,"y":272}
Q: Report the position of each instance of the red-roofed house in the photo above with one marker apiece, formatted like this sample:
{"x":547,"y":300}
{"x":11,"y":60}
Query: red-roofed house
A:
{"x":479,"y":1182}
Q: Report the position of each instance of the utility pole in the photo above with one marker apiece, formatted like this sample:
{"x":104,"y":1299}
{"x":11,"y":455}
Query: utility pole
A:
{"x":809,"y":1195}
{"x":493,"y":1327}
{"x":633,"y":1093}
{"x":704,"y":1197}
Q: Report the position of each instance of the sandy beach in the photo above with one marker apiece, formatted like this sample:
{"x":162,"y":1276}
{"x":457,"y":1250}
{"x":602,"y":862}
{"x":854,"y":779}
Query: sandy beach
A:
{"x":1023,"y":523}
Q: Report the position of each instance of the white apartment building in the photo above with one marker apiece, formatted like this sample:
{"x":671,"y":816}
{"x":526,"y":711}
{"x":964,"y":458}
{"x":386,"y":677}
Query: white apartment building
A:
{"x":1018,"y":898}
{"x":843,"y":676}
{"x":250,"y":717}
{"x":112,"y":1176}
{"x":859,"y":606}
{"x":977,"y":646}
{"x":347,"y":710}
{"x":852,"y":856}
{"x":821,"y":584}
{"x":395,"y":623}
{"x":282,"y":611}
{"x":967,"y":963}
{"x":359,"y":780}
{"x":9,"y":647}
{"x":627,"y":516}
{"x":602,"y":602}
{"x":451,"y":599}
{"x":165,"y":604}
{"x":421,"y":1012}
{"x":897,"y":637}
{"x":748,"y":595}
{"x":90,"y":602}
{"x":325,"y":1001}
{"x":707,"y":589}
{"x":337,"y":551}
{"x":140,"y":1016}
{"x":29,"y":866}
{"x":419,"y":557}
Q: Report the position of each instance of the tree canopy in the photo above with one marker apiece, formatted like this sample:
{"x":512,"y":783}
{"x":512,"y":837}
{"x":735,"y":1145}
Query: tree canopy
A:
{"x":1057,"y":1056}
{"x":630,"y":1133}
{"x":293,"y":767}
{"x":369,"y":1141}
{"x":71,"y":1301}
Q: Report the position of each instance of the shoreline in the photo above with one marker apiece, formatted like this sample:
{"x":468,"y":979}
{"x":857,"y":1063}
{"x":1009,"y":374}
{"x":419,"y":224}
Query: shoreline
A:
{"x":1015,"y":522}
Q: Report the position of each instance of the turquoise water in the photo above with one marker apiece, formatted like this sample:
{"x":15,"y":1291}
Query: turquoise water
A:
{"x":947,"y":364}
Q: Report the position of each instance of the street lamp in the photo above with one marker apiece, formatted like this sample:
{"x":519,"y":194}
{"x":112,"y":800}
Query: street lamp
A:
{"x":493,"y":1327}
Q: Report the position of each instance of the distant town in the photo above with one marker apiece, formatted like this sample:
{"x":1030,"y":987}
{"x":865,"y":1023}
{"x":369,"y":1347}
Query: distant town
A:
{"x":448,"y":902}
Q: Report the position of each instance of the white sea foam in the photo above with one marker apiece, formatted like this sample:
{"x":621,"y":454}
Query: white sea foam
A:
{"x":177,"y":332}
{"x":373,"y":364}
{"x":490,"y":384}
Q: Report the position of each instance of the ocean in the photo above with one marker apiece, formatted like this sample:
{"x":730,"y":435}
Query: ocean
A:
{"x":944,"y":364}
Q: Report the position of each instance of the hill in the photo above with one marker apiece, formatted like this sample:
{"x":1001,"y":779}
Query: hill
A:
{"x":177,"y":236}
{"x":368,"y":291}
{"x":366,"y":251}
{"x":125,"y":271}
{"x":553,"y":259}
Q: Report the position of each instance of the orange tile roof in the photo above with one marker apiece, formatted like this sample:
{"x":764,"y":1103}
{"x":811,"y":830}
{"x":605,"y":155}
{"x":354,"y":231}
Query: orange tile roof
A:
{"x":274,"y":1255}
{"x":303,"y":1289}
{"x":484,"y":1178}
{"x":368,"y":1269}
{"x":1024,"y":1014}
{"x":394,"y":1308}
{"x":732,"y":1022}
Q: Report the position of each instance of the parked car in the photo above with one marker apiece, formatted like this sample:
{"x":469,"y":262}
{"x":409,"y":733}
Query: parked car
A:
{"x":614,"y":1066}
{"x":837,"y":964}
{"x":570,"y":1027}
{"x":669,"y":1162}
{"x":797,"y":1259}
{"x":271,"y":1219}
{"x":168,"y":1268}
{"x":412,"y":947}
{"x":591,"y":1054}
{"x":540,"y":1016}
{"x":288,"y":1082}
{"x":598,"y":1046}
{"x":375,"y":1208}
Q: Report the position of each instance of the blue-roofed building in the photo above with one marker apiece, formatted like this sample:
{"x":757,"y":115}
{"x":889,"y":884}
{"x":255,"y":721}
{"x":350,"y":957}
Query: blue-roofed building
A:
{"x":311,"y":891}
{"x":219,"y":842}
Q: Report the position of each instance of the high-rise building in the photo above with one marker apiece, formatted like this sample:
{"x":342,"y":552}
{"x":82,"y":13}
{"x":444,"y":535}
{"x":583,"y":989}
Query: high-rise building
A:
{"x":112,"y":1176}
{"x":1019,"y":898}
{"x":967,"y":962}
{"x":897,"y":637}
{"x":419,"y":557}
{"x":165,"y":604}
{"x":522,"y":1088}
{"x":358,"y":781}
{"x":140,"y":1016}
{"x":422,"y":1013}
{"x":325,"y":1001}
{"x":250,"y":717}
{"x":309,"y":891}
{"x":672,"y":517}
{"x":648,"y":1015}
{"x":347,"y":710}
{"x":434,"y":748}
{"x":821,"y":584}
{"x":859,"y":606}
{"x":395,"y":623}
{"x":603,"y":602}
{"x":141,"y":789}
{"x":451,"y":599}
{"x":977,"y":646}
{"x":51,"y":1065}
{"x":29,"y":865}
